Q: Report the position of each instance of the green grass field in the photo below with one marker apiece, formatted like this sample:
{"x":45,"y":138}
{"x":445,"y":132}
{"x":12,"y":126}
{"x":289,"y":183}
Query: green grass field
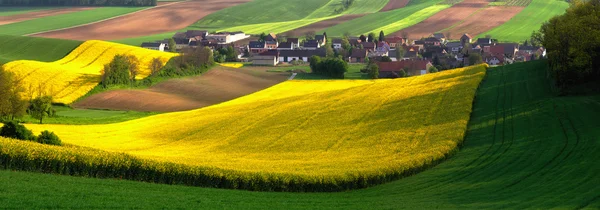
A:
{"x":65,"y":20}
{"x":28,"y":48}
{"x":519,"y":28}
{"x":8,"y":11}
{"x":525,"y":148}
{"x":390,"y":21}
{"x":69,"y":116}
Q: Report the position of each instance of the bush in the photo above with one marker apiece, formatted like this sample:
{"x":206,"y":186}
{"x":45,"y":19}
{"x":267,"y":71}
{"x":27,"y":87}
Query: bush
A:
{"x":47,"y":137}
{"x":16,"y":131}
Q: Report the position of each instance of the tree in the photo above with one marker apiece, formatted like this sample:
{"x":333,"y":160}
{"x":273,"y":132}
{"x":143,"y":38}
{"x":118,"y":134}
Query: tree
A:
{"x":314,"y":64}
{"x":347,"y":35}
{"x":329,"y":51}
{"x":155,"y":66}
{"x":41,"y":107}
{"x":372,"y":37}
{"x":12,"y":105}
{"x":133,"y":66}
{"x":381,"y":36}
{"x":262,"y":37}
{"x":386,"y":59}
{"x":116,"y":72}
{"x":15,"y":130}
{"x":310,"y":35}
{"x":373,"y":71}
{"x":400,"y":52}
{"x":346,"y":44}
{"x":475,"y":58}
{"x":172,"y":45}
{"x":47,"y":137}
{"x":432,"y":69}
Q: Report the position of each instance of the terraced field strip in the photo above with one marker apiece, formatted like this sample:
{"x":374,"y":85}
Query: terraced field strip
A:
{"x":390,"y":21}
{"x":9,"y":11}
{"x":37,"y":13}
{"x":28,"y":48}
{"x":394,"y":4}
{"x":245,"y":141}
{"x":444,"y":19}
{"x":65,"y":20}
{"x":524,"y":148}
{"x":519,"y":28}
{"x":167,"y":17}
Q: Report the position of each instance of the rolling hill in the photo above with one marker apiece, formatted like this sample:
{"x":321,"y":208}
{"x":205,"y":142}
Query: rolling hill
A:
{"x":524,"y":148}
{"x":28,"y":48}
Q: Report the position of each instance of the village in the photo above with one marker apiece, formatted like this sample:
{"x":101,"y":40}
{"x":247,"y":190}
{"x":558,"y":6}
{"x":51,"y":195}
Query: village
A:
{"x":391,"y":54}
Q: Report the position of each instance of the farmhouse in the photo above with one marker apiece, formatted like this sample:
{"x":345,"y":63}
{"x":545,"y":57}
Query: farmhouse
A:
{"x":227,"y":37}
{"x":337,"y":44}
{"x":154,"y":46}
{"x":393,"y":41}
{"x":257,"y":47}
{"x":311,"y":45}
{"x":358,"y":56}
{"x":440,"y":36}
{"x":466,"y":39}
{"x":285,"y":46}
{"x":295,"y":42}
{"x":412,"y":68}
{"x":267,"y":58}
{"x":494,"y":60}
{"x":383,"y":49}
{"x":299,"y":55}
{"x":454,"y":47}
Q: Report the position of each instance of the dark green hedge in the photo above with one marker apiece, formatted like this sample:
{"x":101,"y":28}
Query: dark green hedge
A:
{"x":77,"y":2}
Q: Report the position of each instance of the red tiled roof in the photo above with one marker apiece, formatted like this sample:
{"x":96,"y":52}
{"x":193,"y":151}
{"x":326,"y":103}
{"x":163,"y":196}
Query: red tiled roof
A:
{"x":395,"y":39}
{"x":398,"y":65}
{"x":359,"y":53}
{"x":497,"y":50}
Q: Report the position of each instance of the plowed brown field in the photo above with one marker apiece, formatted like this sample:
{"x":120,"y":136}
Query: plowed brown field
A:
{"x":218,"y":85}
{"x":394,"y":4}
{"x":38,"y":14}
{"x":485,"y":20}
{"x":161,"y":19}
{"x":444,"y":19}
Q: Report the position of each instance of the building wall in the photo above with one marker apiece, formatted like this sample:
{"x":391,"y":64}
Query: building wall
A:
{"x":264,"y":60}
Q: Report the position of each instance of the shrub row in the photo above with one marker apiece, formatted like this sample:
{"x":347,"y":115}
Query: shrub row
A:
{"x":86,"y":162}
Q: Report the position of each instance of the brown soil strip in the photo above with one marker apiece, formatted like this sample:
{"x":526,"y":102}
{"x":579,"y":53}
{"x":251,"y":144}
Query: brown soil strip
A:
{"x":443,"y":19}
{"x":218,"y":85}
{"x":321,"y":25}
{"x":39,"y":14}
{"x":394,"y":4}
{"x":162,"y":19}
{"x":485,"y":20}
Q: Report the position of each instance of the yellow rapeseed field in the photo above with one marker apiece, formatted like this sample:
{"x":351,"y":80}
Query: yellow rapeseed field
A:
{"x":232,"y":65}
{"x":79,"y":72}
{"x":329,"y":129}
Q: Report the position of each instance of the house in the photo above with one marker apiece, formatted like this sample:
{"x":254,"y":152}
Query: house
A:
{"x":528,"y":53}
{"x":383,"y":49}
{"x":393,"y":41}
{"x":322,"y":39}
{"x":454,"y":47}
{"x":271,"y":44}
{"x":285,"y":46}
{"x":412,"y":68}
{"x":369,"y":46}
{"x":337,"y":44}
{"x":358,"y":56}
{"x":154,"y":46}
{"x":510,"y":49}
{"x":484,"y":41}
{"x":257,"y":47}
{"x":286,"y":56}
{"x":466,"y":39}
{"x":419,"y":43}
{"x":440,"y":36}
{"x":227,"y":37}
{"x":432,"y":41}
{"x":311,"y":44}
{"x":191,"y":34}
{"x":267,"y":58}
{"x":271,"y":37}
{"x":411,"y":51}
{"x":433,"y":51}
{"x":494,"y":60}
{"x":295,"y":43}
{"x":181,"y":43}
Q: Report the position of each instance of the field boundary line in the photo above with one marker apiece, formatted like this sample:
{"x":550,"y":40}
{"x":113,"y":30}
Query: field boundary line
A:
{"x":107,"y":19}
{"x":293,"y":76}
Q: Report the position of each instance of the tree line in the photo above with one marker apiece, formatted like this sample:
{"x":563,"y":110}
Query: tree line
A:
{"x":78,"y":2}
{"x":572,"y":42}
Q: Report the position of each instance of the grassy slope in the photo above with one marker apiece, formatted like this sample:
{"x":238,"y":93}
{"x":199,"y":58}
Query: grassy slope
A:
{"x":65,"y":20}
{"x":519,"y":28}
{"x":69,"y":116}
{"x":28,"y":48}
{"x":524,"y":149}
{"x":390,"y":21}
{"x":8,"y":11}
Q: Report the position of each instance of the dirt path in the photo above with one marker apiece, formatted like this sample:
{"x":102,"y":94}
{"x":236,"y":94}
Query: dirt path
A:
{"x":484,"y":20}
{"x":318,"y":26}
{"x":444,"y":19}
{"x":39,"y":14}
{"x":394,"y":4}
{"x":218,"y":85}
{"x":162,"y":19}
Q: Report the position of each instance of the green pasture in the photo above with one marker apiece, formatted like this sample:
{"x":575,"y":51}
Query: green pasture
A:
{"x":8,"y":11}
{"x":70,"y":116}
{"x":33,"y":48}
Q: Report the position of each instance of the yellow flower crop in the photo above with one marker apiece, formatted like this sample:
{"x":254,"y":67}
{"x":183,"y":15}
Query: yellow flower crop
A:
{"x":232,"y":65}
{"x":318,"y":130}
{"x":79,"y":72}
